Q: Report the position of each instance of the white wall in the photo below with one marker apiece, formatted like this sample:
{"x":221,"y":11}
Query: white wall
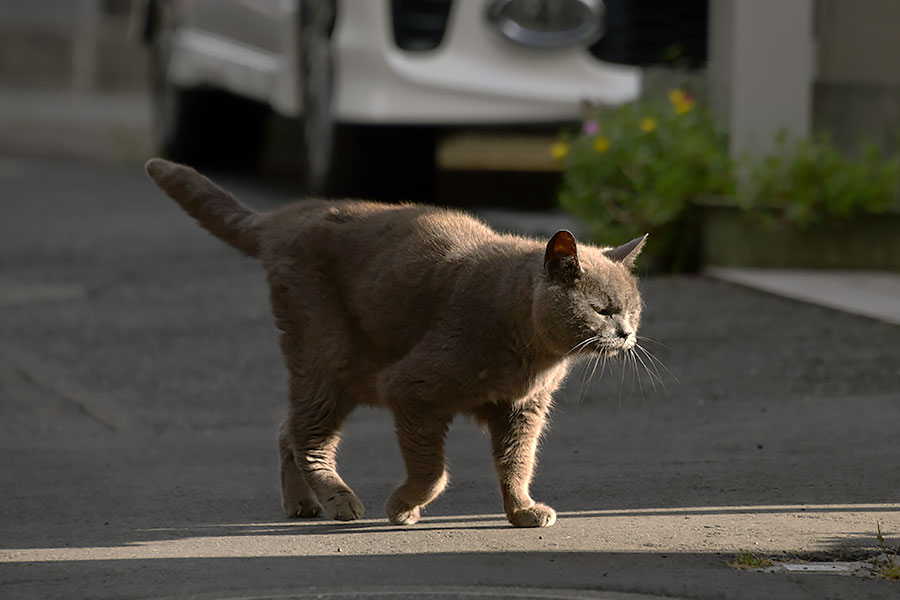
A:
{"x":761,"y":69}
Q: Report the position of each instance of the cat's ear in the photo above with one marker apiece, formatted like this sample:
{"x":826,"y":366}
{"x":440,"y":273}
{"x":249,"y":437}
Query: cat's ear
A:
{"x":561,"y":258}
{"x":627,"y":253}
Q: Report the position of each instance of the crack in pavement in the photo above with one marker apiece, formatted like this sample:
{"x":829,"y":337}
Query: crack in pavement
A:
{"x":42,"y":375}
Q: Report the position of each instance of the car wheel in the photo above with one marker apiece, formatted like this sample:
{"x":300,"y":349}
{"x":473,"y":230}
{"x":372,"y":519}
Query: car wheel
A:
{"x":199,"y":126}
{"x":379,"y":162}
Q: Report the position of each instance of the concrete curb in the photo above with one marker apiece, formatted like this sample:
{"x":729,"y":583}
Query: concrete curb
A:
{"x":872,"y":294}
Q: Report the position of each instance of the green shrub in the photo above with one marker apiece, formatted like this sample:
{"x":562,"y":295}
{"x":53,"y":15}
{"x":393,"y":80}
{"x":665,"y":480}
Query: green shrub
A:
{"x":810,"y":181}
{"x":637,"y":167}
{"x":645,"y":166}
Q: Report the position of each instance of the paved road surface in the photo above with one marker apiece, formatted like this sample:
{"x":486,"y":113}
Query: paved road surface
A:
{"x":140,"y":390}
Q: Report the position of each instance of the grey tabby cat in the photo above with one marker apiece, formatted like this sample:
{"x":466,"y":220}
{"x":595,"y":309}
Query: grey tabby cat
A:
{"x":428,"y":313}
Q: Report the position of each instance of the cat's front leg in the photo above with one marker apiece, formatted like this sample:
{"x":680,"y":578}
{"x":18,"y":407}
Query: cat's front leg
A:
{"x":515,"y":430}
{"x":421,"y":436}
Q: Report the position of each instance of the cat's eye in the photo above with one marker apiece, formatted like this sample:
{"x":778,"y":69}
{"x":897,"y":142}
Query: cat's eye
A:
{"x":604,"y":311}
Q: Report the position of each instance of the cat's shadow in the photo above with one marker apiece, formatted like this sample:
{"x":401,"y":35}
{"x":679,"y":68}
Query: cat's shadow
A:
{"x":314,"y":526}
{"x":437,"y":523}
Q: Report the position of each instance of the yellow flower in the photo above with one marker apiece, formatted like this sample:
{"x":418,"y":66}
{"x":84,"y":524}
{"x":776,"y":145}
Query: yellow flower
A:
{"x":677,"y":96}
{"x":601,"y":144}
{"x":681,"y":101}
{"x":684,"y":107}
{"x":648,"y":124}
{"x":559,"y":150}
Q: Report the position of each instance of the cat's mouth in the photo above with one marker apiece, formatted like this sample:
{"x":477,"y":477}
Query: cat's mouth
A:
{"x":612,"y":347}
{"x":610,"y":351}
{"x":606,"y":346}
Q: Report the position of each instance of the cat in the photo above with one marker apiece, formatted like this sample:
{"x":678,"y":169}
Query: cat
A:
{"x":426,"y":312}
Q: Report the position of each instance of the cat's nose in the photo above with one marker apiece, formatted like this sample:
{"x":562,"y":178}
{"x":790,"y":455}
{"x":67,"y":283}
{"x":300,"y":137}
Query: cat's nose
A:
{"x":623,"y":333}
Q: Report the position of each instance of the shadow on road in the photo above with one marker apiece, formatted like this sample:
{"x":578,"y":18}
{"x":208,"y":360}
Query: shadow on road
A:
{"x":693,"y":575}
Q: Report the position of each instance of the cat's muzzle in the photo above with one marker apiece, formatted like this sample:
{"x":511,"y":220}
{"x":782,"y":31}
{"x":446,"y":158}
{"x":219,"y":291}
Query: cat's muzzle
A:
{"x":609,"y":348}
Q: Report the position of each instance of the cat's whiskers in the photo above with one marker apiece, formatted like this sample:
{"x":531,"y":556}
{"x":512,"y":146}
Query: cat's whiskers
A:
{"x":656,"y":360}
{"x":601,"y":359}
{"x":651,"y":368}
{"x":653,"y":376}
{"x":577,"y":348}
{"x":586,"y":381}
{"x":637,"y":357}
{"x":582,"y":389}
{"x":654,"y":341}
{"x":629,"y":361}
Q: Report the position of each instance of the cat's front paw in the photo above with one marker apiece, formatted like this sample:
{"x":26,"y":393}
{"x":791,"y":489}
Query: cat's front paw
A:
{"x":401,"y":513}
{"x":539,"y":515}
{"x":305,"y":509}
{"x":344,"y":506}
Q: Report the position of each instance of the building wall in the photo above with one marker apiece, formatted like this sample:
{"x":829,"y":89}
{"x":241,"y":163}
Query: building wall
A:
{"x":69,"y":44}
{"x":761,"y":68}
{"x":857,"y":85}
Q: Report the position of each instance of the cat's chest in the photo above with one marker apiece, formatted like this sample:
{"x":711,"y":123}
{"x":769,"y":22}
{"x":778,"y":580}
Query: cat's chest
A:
{"x":507,"y":383}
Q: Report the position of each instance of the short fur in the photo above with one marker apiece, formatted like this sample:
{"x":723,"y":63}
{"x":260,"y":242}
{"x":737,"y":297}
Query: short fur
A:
{"x":428,"y":313}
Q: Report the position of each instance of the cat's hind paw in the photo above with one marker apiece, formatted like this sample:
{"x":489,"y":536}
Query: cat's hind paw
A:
{"x":344,"y":506}
{"x":539,"y":515}
{"x":401,"y":513}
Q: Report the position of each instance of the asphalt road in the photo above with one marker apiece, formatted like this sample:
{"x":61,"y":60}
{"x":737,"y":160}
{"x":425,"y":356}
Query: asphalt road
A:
{"x":141,"y":388}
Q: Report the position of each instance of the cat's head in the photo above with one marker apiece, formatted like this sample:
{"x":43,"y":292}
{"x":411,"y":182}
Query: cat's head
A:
{"x":587,"y":299}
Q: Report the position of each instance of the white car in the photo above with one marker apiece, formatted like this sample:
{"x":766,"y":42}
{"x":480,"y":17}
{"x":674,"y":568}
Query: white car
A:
{"x":352,"y":71}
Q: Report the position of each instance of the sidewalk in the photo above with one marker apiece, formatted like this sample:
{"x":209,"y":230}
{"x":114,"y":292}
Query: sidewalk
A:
{"x":873,"y":294}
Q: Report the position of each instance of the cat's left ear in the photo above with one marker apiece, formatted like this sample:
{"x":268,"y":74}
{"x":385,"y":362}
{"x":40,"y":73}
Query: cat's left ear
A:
{"x":627,"y":253}
{"x":561,"y":258}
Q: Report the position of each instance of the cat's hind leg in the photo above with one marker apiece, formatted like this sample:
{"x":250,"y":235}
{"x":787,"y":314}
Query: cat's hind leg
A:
{"x":297,"y":498}
{"x":421,"y":437}
{"x":313,"y":425}
{"x":515,"y":430}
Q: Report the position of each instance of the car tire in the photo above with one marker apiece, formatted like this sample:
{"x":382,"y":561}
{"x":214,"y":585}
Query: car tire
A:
{"x":372,"y":161}
{"x":200,"y":126}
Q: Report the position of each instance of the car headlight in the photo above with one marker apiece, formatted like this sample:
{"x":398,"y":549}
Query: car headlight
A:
{"x":547,"y":23}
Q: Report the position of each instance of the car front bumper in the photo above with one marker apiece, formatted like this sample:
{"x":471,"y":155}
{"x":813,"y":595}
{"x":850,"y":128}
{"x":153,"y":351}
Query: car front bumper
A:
{"x":473,"y":77}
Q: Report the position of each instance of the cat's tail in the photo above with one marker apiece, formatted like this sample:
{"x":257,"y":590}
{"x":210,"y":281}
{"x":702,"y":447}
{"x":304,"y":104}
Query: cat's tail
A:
{"x":216,"y":210}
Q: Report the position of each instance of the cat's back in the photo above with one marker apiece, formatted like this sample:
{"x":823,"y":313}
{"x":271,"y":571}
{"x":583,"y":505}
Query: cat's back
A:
{"x":351,"y":230}
{"x":382,"y":274}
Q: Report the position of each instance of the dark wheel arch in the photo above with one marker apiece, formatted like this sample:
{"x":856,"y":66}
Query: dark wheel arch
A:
{"x":201,"y":126}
